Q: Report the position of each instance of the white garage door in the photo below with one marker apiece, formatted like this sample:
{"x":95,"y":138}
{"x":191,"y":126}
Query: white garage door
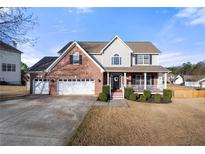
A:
{"x":40,"y":86}
{"x":76,"y":87}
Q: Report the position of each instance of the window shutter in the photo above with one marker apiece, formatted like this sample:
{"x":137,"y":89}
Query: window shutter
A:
{"x":135,"y":59}
{"x":120,"y":60}
{"x":112,"y":59}
{"x":80,"y":60}
{"x":150,"y":59}
{"x":71,"y":59}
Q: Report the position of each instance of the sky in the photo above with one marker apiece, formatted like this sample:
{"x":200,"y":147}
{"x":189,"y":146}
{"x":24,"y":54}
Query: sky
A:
{"x":179,"y":33}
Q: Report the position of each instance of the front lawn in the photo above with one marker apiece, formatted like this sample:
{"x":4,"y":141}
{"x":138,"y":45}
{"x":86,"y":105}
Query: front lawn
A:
{"x":7,"y":91}
{"x":177,"y":123}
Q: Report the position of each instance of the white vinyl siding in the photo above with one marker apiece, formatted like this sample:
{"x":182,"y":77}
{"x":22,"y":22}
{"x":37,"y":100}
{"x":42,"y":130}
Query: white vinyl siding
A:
{"x":11,"y":73}
{"x":117,"y":47}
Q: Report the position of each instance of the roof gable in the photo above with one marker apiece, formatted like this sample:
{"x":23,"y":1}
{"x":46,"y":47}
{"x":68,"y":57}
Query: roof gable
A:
{"x":112,"y":41}
{"x":7,"y":47}
{"x":68,"y":50}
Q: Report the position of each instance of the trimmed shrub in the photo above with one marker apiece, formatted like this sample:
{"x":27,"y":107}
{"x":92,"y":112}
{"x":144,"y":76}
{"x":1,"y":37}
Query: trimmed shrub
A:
{"x":147,"y":94}
{"x":157,"y":98}
{"x":142,"y":98}
{"x":133,"y":97}
{"x":167,"y":95}
{"x":128,"y":92}
{"x":106,"y":89}
{"x":103,"y":97}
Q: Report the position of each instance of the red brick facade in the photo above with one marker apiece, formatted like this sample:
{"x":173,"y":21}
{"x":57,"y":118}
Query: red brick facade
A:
{"x":64,"y":70}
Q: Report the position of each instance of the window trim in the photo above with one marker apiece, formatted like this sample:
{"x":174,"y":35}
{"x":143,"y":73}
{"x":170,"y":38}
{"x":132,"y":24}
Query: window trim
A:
{"x":149,"y":57}
{"x":76,"y":55}
{"x":9,"y":68}
{"x":13,"y":67}
{"x":116,"y":60}
{"x":4,"y":67}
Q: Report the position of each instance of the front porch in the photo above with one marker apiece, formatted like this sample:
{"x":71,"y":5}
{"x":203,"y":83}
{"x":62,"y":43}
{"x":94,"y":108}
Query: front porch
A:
{"x":140,"y":81}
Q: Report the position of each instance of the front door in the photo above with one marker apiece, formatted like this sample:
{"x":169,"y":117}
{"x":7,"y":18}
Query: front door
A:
{"x":116,"y":82}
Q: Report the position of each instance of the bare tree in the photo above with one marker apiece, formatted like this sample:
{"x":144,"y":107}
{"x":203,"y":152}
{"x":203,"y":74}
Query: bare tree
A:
{"x":15,"y":24}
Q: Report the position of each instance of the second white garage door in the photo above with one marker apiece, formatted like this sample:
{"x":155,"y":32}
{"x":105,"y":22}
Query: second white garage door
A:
{"x":76,"y":87}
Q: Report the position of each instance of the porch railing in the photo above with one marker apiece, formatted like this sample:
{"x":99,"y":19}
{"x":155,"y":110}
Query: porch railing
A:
{"x":153,"y":88}
{"x":123,"y":89}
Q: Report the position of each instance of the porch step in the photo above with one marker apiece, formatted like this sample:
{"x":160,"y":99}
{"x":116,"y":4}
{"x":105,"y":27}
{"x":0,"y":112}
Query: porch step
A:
{"x":117,"y":95}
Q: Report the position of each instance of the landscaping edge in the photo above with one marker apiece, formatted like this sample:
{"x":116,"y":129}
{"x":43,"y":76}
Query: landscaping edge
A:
{"x":82,"y":125}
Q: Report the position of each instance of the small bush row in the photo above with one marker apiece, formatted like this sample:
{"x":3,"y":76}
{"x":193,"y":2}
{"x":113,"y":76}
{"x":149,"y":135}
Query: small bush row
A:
{"x":148,"y":97}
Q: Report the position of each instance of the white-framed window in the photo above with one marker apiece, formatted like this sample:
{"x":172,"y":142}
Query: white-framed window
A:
{"x":116,"y":60}
{"x":13,"y":67}
{"x":76,"y":58}
{"x":149,"y":80}
{"x":138,"y":79}
{"x":3,"y":67}
{"x":9,"y":67}
{"x":140,"y":59}
{"x":143,"y":59}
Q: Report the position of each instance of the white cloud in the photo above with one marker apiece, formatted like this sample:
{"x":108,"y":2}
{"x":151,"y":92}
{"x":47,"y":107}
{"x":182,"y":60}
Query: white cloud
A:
{"x":81,"y":10}
{"x":192,"y":16}
{"x":30,"y":55}
{"x":84,"y":10}
{"x":187,"y":12}
{"x":178,"y":58}
{"x":178,"y":40}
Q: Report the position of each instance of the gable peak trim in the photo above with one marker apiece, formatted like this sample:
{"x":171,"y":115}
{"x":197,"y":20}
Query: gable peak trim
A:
{"x":113,"y":39}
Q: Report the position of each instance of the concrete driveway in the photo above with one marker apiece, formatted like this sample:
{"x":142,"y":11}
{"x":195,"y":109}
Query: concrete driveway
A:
{"x":41,"y":120}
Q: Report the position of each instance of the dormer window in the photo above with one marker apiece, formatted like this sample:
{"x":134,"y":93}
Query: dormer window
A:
{"x":116,"y":60}
{"x":76,"y":58}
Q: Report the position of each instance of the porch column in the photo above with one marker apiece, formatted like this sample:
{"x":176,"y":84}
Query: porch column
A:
{"x":158,"y":83}
{"x":108,"y":78}
{"x":125,"y":80}
{"x":165,"y":80}
{"x":145,"y":80}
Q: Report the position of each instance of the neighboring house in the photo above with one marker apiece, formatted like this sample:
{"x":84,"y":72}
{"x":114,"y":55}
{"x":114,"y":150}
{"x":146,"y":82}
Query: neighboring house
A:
{"x":194,"y":81}
{"x":178,"y":80}
{"x":84,"y":67}
{"x":10,"y":61}
{"x":170,"y":78}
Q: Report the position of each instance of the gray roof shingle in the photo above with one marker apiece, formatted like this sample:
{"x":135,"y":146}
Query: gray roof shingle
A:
{"x":43,"y":64}
{"x":96,"y":47}
{"x":7,"y":47}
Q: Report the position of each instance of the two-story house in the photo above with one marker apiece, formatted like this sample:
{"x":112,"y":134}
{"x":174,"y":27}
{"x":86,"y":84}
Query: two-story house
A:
{"x":10,"y":64}
{"x":84,"y":67}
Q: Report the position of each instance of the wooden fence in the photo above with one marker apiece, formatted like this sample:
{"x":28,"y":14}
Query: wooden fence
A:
{"x":188,"y":93}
